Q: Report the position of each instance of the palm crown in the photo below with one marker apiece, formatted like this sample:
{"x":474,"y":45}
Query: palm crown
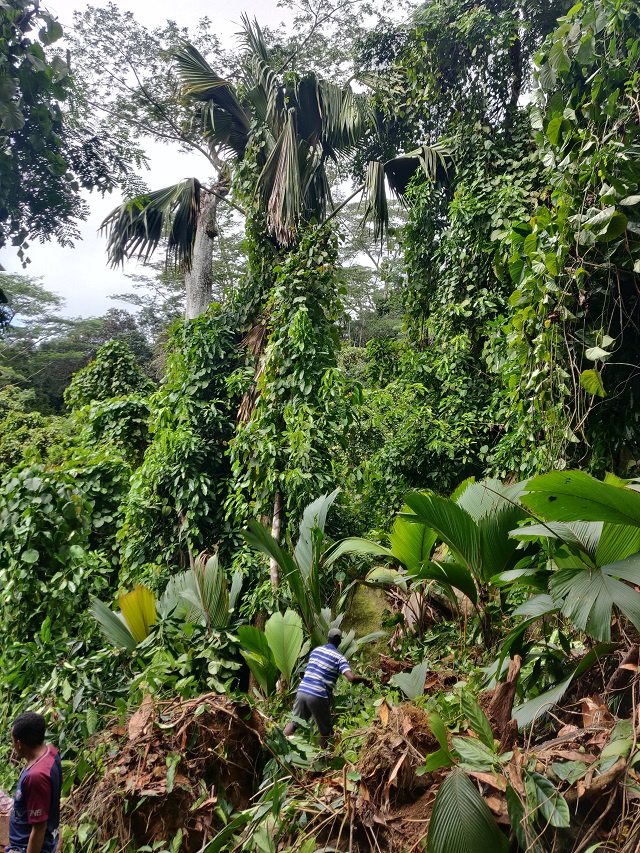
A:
{"x":292,"y":124}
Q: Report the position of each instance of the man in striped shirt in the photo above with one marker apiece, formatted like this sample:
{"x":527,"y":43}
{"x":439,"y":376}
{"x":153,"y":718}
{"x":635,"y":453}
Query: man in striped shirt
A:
{"x":315,"y":692}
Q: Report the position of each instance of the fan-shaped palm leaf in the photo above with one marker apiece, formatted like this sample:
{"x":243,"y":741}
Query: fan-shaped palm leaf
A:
{"x":461,"y":820}
{"x":113,"y":626}
{"x":453,"y":525}
{"x":214,"y":591}
{"x":225,"y":121}
{"x":136,"y":227}
{"x":284,"y":635}
{"x":139,"y":610}
{"x":314,"y":518}
{"x":280,"y":185}
{"x":575,"y":495}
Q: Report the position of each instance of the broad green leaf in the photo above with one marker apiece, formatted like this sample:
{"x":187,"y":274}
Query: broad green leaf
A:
{"x":31,"y":556}
{"x":536,"y":709}
{"x":355,"y":545}
{"x":497,"y":548}
{"x":591,"y":381}
{"x":411,"y":543}
{"x":473,"y":754}
{"x":313,"y":519}
{"x":254,"y":640}
{"x":182,"y":598}
{"x":552,"y":805}
{"x":461,"y":821}
{"x":537,"y":605}
{"x":262,"y":669}
{"x":236,"y":589}
{"x":386,"y":577}
{"x":617,"y":542}
{"x":569,"y":771}
{"x":113,"y":626}
{"x":587,"y":598}
{"x":452,"y":574}
{"x":439,"y":730}
{"x":139,"y":610}
{"x":478,"y":719}
{"x":479,"y":498}
{"x":582,"y":535}
{"x":436,"y":760}
{"x":284,"y":635}
{"x":412,"y":683}
{"x":255,"y":650}
{"x":259,"y":537}
{"x":452,"y":524}
{"x":457,"y":493}
{"x":574,"y":495}
{"x":597,"y":354}
{"x":615,"y":228}
{"x":618,"y":748}
{"x":214,"y":591}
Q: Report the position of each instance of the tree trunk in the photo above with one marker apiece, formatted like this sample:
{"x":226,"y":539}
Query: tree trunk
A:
{"x":198,"y":280}
{"x":276,"y":526}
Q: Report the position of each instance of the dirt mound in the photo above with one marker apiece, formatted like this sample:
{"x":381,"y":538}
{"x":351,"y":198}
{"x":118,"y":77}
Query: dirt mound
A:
{"x":174,"y":763}
{"x":394,"y":748}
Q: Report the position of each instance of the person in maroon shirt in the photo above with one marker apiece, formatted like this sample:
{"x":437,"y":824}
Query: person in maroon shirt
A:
{"x":35,"y":817}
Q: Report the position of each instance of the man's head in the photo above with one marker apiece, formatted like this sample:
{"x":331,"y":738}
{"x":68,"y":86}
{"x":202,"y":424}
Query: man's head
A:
{"x":335,"y":637}
{"x":27,"y":733}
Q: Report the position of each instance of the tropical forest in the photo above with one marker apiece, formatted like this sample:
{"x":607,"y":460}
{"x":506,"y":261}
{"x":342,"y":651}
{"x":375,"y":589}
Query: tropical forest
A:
{"x":371,"y":391}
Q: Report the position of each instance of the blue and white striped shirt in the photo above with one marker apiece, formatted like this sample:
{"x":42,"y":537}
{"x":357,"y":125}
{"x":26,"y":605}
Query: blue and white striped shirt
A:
{"x":321,"y":674}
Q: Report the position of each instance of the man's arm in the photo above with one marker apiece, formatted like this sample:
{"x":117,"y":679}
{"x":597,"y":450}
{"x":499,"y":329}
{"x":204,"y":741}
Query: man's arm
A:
{"x":352,"y":678}
{"x":36,"y":839}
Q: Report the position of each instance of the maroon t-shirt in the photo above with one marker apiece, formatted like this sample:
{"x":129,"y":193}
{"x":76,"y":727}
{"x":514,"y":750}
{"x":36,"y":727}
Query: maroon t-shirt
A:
{"x":37,"y":799}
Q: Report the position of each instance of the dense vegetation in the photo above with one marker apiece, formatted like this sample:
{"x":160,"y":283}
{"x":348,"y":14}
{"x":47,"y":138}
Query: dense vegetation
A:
{"x":386,"y":377}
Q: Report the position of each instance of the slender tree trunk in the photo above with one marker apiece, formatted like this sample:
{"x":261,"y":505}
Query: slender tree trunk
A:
{"x":276,"y":526}
{"x":198,"y":280}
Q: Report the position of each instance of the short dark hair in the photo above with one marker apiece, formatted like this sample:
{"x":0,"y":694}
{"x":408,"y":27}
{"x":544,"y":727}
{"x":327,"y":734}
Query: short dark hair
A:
{"x":29,"y":728}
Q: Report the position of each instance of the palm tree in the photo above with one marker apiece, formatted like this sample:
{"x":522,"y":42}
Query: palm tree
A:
{"x":293,"y":126}
{"x":287,"y":128}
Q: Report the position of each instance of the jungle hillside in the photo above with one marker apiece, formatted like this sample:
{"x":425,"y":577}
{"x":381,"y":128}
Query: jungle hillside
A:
{"x":377,"y":371}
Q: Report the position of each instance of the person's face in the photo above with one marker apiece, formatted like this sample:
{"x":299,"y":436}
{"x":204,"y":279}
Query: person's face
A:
{"x":18,"y":746}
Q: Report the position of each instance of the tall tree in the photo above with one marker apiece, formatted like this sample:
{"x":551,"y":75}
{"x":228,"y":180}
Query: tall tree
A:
{"x":46,"y":157}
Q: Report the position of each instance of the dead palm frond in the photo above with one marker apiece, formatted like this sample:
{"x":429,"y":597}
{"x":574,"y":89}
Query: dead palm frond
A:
{"x":136,"y":227}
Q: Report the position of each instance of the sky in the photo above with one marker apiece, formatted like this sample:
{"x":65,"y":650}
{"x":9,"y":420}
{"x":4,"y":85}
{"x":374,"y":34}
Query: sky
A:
{"x":81,"y":274}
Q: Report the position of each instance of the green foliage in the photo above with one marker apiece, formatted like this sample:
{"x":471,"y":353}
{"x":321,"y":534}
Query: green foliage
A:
{"x":113,"y":373}
{"x":177,"y":495}
{"x":572,"y":262}
{"x":461,"y":819}
{"x":45,"y":158}
{"x":420,"y":430}
{"x":44,"y":528}
{"x":25,"y":433}
{"x":284,"y":635}
{"x":412,"y":683}
{"x":302,"y":571}
{"x":301,"y":411}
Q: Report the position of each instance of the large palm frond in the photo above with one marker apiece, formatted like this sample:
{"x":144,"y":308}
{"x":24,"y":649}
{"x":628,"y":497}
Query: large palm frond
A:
{"x":433,"y":161}
{"x":225,"y":121}
{"x":136,"y":227}
{"x":280,"y":185}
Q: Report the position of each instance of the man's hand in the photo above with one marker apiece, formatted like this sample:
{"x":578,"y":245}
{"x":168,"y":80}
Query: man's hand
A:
{"x":36,"y":839}
{"x":352,"y":678}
